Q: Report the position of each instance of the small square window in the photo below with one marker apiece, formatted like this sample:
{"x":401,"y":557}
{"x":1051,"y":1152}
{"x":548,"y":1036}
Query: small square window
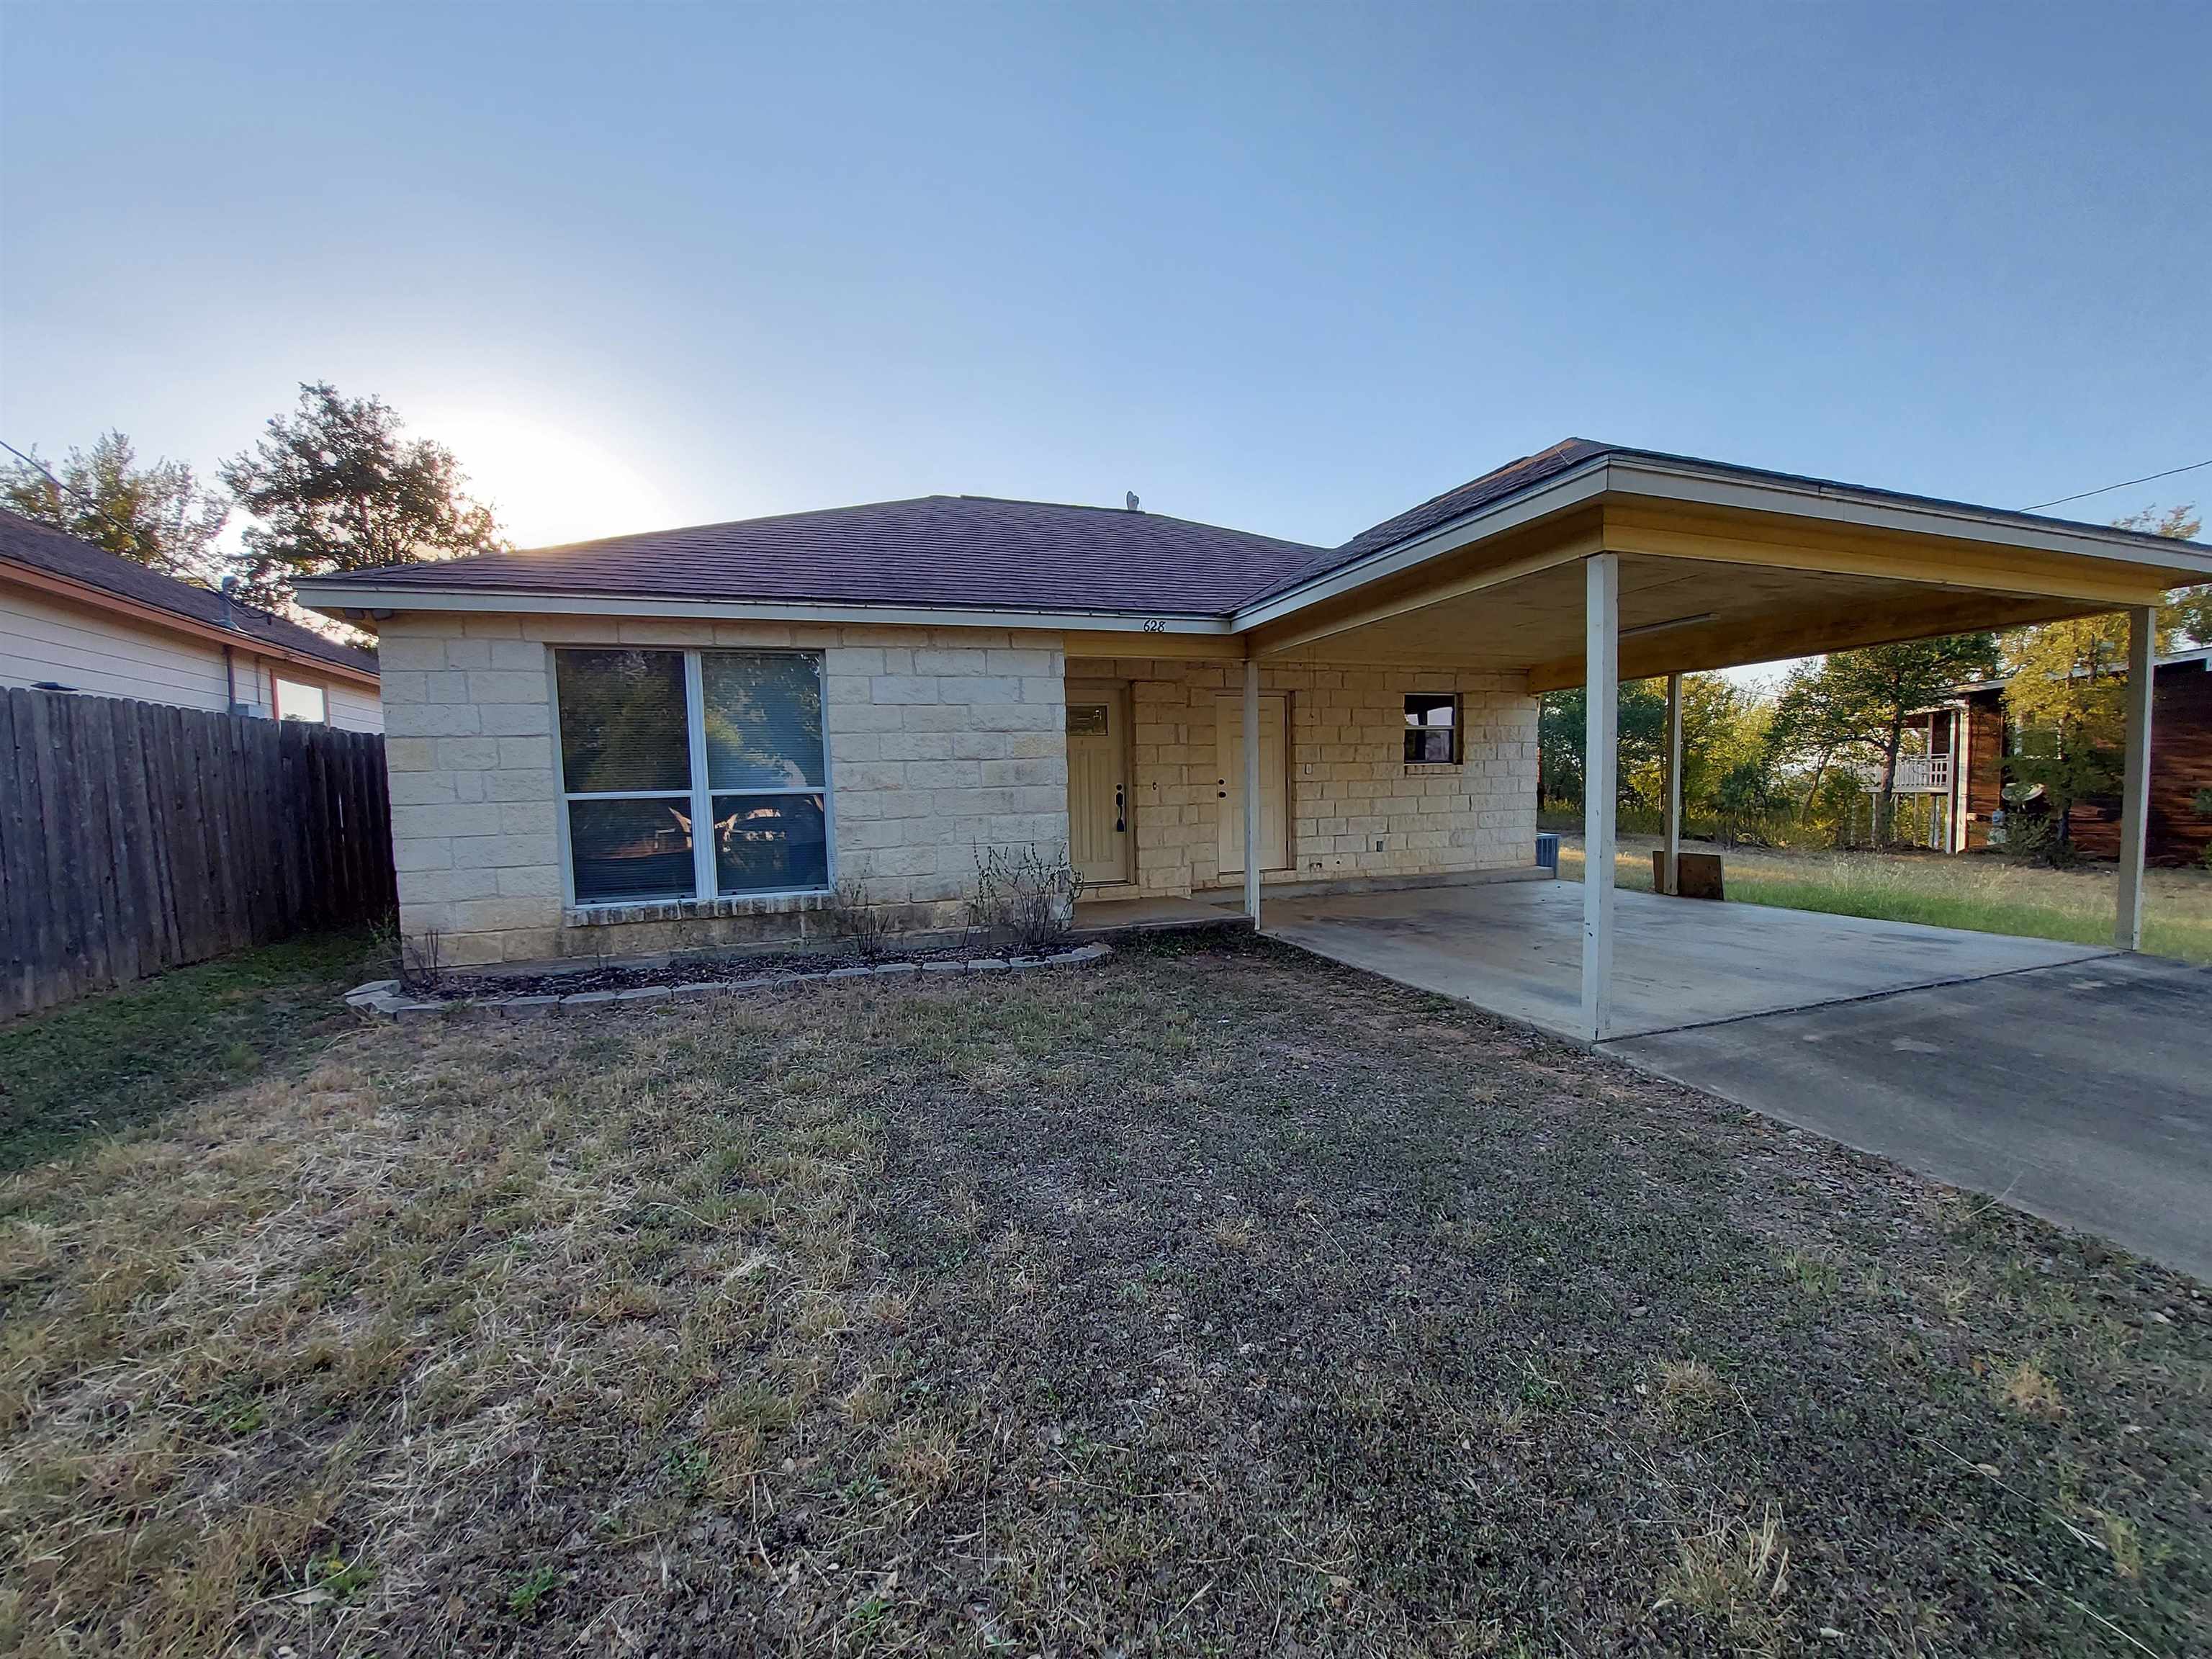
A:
{"x":1431,"y":729}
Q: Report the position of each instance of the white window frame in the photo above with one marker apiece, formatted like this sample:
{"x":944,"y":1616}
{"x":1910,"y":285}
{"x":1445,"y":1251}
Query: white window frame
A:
{"x":277,"y":682}
{"x":702,"y":794}
{"x":1457,"y":728}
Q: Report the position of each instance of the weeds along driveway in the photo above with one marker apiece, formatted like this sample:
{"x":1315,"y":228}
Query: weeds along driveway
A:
{"x":1217,"y":1300}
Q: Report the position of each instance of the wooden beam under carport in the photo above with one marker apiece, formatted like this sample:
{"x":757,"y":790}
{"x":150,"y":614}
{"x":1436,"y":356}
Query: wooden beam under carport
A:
{"x":1525,"y":553}
{"x":1776,"y":543}
{"x":1702,"y":647}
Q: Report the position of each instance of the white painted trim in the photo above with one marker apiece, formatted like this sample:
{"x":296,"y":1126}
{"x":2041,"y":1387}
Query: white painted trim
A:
{"x":337,"y":601}
{"x":1670,"y":872}
{"x":1615,"y":473}
{"x":1254,"y":810}
{"x":1682,"y":480}
{"x":1601,"y":784}
{"x":1555,"y":494}
{"x":2134,"y":785}
{"x":703,"y":788}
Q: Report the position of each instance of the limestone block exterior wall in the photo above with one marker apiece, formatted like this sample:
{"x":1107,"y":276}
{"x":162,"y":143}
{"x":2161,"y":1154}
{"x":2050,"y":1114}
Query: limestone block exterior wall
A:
{"x":1349,"y":784}
{"x":941,"y":741}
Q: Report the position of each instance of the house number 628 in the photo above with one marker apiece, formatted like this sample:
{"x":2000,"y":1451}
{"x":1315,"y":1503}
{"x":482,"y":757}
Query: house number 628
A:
{"x":1155,"y":625}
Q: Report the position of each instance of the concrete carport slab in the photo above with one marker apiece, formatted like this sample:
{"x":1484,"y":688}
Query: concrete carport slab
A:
{"x":1516,"y":950}
{"x":2080,"y":1093}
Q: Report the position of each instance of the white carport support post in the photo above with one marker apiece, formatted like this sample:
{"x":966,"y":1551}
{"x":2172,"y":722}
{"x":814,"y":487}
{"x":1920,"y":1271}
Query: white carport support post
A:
{"x":1670,"y":866}
{"x":2134,"y":784}
{"x":1252,"y":790}
{"x":1601,"y":784}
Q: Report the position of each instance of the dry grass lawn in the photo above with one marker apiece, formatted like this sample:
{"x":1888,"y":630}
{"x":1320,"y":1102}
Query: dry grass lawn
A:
{"x":1979,"y":891}
{"x":1214,"y":1301}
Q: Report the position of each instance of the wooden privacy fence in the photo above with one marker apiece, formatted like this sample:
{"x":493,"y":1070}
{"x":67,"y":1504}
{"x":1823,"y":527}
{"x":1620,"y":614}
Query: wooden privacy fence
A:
{"x":136,"y":837}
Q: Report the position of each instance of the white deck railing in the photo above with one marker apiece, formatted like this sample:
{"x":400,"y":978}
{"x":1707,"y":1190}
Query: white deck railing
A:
{"x":1918,"y":775}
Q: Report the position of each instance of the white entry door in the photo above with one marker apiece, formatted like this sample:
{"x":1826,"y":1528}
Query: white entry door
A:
{"x":1099,"y":832}
{"x":1274,"y":783}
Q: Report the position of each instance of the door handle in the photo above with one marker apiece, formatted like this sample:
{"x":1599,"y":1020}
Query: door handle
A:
{"x":1121,"y":816}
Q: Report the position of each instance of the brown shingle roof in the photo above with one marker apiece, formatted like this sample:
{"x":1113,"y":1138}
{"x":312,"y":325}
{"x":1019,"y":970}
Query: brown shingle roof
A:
{"x":981,"y":552}
{"x":43,"y":548}
{"x":932,"y":551}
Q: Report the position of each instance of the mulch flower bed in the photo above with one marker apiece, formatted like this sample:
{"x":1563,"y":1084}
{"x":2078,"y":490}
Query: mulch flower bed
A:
{"x":583,"y":989}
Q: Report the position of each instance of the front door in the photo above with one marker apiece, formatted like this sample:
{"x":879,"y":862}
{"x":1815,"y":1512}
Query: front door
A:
{"x":1274,"y":783}
{"x":1098,"y":834}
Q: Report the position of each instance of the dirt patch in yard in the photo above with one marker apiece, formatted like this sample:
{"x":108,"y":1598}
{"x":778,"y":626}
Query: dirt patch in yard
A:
{"x":1216,"y":1300}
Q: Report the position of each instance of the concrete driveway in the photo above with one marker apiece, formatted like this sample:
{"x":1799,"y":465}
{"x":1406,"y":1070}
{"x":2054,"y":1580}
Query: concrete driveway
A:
{"x":1515,"y":948}
{"x":2070,"y":1081}
{"x":2082,"y":1093}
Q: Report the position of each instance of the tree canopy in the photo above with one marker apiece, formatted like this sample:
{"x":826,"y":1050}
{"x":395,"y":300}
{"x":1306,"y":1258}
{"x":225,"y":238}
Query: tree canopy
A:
{"x":2067,"y":695}
{"x":336,"y":486}
{"x":2187,"y":613}
{"x":1861,"y":702}
{"x":159,"y":515}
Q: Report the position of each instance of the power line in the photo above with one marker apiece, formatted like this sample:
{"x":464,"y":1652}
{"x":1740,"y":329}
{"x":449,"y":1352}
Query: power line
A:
{"x":2109,"y":489}
{"x":130,"y":530}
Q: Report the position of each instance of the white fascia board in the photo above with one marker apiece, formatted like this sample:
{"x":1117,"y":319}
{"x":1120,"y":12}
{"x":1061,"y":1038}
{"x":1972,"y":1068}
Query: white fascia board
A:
{"x":1555,"y":494}
{"x":336,"y":600}
{"x":1618,"y":474}
{"x":1633,"y":475}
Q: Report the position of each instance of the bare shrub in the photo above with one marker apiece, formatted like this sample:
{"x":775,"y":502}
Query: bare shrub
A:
{"x":866,"y":928}
{"x":1024,"y":900}
{"x":423,"y":961}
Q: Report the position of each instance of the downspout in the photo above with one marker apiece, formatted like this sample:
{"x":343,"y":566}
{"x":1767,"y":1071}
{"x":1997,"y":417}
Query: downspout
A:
{"x":229,"y":667}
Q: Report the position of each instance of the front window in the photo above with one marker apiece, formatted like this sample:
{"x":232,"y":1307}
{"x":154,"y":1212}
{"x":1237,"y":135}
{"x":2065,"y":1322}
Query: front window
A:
{"x":1431,"y":730}
{"x":692,"y":774}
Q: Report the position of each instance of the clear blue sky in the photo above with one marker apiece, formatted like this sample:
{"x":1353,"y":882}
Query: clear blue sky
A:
{"x":1290,"y":270}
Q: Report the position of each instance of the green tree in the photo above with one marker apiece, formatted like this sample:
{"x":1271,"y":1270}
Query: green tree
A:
{"x":1860,"y":701}
{"x":1723,"y":725}
{"x":2187,"y":613}
{"x":1562,"y":726}
{"x":2067,"y":704}
{"x":1723,"y":731}
{"x":336,"y":486}
{"x":2067,"y":701}
{"x":158,"y":515}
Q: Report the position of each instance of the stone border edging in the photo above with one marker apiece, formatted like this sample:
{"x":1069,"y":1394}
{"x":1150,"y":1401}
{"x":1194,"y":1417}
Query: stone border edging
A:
{"x":384,"y":999}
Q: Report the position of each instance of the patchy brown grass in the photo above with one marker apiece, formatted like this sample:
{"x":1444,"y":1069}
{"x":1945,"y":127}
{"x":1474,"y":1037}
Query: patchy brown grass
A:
{"x":1216,"y":1301}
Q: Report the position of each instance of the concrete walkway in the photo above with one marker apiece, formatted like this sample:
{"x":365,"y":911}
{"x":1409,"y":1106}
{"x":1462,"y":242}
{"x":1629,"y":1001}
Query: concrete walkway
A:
{"x":1516,"y":950}
{"x":2082,"y":1093}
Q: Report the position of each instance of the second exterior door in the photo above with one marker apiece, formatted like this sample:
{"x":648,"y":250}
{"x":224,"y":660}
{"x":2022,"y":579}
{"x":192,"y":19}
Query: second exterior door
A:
{"x":1274,"y":783}
{"x":1099,"y":833}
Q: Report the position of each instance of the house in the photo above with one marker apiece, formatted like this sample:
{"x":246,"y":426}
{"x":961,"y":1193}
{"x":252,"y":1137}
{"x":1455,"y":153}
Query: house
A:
{"x":76,"y":618}
{"x":690,"y":736}
{"x":1966,"y":795}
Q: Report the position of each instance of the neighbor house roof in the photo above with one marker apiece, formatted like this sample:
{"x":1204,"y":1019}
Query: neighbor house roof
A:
{"x":988,"y":553}
{"x":78,"y":569}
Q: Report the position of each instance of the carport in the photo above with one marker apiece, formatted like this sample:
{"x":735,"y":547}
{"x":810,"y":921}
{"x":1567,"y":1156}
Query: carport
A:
{"x":1587,"y":563}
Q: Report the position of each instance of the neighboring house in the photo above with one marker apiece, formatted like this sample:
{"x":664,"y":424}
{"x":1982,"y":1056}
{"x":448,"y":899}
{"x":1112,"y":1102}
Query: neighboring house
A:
{"x":76,"y":618}
{"x":1966,"y":798}
{"x":691,"y":737}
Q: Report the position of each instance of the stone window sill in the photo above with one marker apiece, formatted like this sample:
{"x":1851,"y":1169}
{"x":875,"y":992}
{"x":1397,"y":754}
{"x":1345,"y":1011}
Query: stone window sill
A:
{"x":766,"y":904}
